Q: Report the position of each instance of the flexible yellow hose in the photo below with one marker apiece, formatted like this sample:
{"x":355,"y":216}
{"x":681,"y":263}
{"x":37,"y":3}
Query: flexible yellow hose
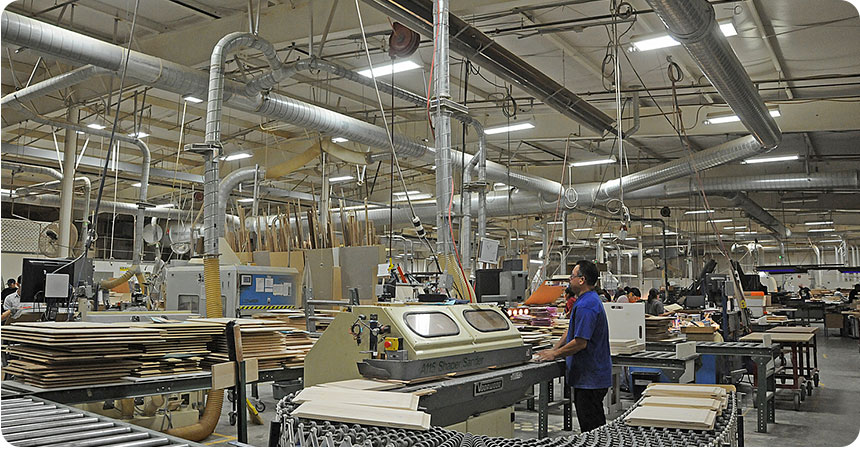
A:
{"x":155,"y":402}
{"x":215,"y":400}
{"x":126,"y":406}
{"x":111,"y":283}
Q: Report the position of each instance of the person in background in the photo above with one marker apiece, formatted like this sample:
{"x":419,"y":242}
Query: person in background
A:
{"x":653,"y":305}
{"x":635,"y":295}
{"x":838,"y":294}
{"x":603,"y":295}
{"x":855,"y":293}
{"x":586,"y":349}
{"x":620,"y":297}
{"x":569,"y":299}
{"x":11,"y":286}
{"x":12,"y":304}
{"x":805,"y":293}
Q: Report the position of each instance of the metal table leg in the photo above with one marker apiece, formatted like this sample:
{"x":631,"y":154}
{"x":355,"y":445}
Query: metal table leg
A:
{"x":543,"y":409}
{"x":568,"y":406}
{"x":530,"y":403}
{"x":761,"y":393}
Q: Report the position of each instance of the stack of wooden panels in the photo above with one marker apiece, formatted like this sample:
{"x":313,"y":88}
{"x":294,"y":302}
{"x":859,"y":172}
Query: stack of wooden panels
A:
{"x":625,"y":346}
{"x":184,"y":346}
{"x":273,"y":344}
{"x":295,"y":319}
{"x":683,"y":406}
{"x":535,"y":338}
{"x":365,"y":407}
{"x":61,"y":354}
{"x":657,"y":328}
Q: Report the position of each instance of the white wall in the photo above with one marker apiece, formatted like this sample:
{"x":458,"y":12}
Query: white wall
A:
{"x":11,"y":264}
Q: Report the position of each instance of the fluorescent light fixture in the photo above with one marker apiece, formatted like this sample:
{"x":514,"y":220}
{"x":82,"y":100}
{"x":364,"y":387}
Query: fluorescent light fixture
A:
{"x":647,"y":225}
{"x":594,"y":162}
{"x":517,"y":239}
{"x":800,"y":200}
{"x":135,"y":185}
{"x":720,"y":220}
{"x":665,"y":41}
{"x":671,"y":233}
{"x":415,"y":197}
{"x":340,"y":178}
{"x":830,"y":241}
{"x":821,"y":230}
{"x":338,"y":140}
{"x":5,"y":191}
{"x":496,"y":186}
{"x":407,"y":192}
{"x":245,"y":200}
{"x":388,"y":69}
{"x":823,"y":222}
{"x":191,"y":99}
{"x":79,"y":132}
{"x":236,"y":156}
{"x":536,"y":261}
{"x":630,"y":239}
{"x":699,"y":211}
{"x":729,"y":118}
{"x":771,"y":159}
{"x":605,"y":235}
{"x":735,"y":228}
{"x":555,"y":222}
{"x":582,"y":229}
{"x":746,"y":232}
{"x":139,"y":134}
{"x":512,"y":127}
{"x":96,"y":126}
{"x":166,"y":205}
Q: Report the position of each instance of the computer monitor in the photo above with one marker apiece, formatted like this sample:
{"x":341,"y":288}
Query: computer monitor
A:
{"x":33,"y":276}
{"x":694,"y":302}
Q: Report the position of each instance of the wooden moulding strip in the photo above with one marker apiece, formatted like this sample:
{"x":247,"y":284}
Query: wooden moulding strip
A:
{"x":395,"y":400}
{"x":363,"y":415}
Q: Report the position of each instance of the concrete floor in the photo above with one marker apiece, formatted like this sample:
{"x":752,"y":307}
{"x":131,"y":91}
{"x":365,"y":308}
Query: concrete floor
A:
{"x":830,"y":417}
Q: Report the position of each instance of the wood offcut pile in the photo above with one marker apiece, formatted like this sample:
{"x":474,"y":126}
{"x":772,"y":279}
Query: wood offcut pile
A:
{"x":682,"y":406}
{"x":273,"y":344}
{"x":657,"y":328}
{"x":182,"y":349}
{"x":61,"y":354}
{"x":625,"y":346}
{"x":371,"y":405}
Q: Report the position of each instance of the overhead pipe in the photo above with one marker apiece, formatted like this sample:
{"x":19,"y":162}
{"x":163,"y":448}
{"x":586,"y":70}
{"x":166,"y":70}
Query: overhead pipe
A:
{"x":757,"y":213}
{"x":85,"y":219}
{"x":693,"y":23}
{"x":228,"y":183}
{"x":63,"y":81}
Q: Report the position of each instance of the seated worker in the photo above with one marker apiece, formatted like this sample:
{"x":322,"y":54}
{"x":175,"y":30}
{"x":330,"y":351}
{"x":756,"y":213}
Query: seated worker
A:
{"x":855,"y":293}
{"x":653,"y":305}
{"x":804,"y":293}
{"x":620,"y":297}
{"x":12,"y":305}
{"x":635,"y":295}
{"x":11,"y":286}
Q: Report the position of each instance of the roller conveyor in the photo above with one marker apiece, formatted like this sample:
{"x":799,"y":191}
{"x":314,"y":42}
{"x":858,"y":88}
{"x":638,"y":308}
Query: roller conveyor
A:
{"x":32,"y":422}
{"x":309,"y":433}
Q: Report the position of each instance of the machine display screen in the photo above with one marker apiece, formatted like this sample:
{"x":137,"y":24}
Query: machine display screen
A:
{"x":486,"y":320}
{"x":431,"y":324}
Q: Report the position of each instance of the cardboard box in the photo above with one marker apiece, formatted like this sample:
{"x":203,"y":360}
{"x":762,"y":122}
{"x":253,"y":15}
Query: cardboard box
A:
{"x":832,"y":320}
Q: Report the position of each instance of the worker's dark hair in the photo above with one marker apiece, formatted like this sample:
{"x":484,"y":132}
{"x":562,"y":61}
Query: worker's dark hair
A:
{"x":589,"y":271}
{"x":636,"y":291}
{"x":653,"y":294}
{"x":19,"y":279}
{"x":568,"y":292}
{"x":10,"y":282}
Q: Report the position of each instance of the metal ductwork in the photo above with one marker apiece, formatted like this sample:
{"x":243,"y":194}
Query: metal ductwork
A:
{"x":757,"y":213}
{"x":693,"y":23}
{"x":228,"y":183}
{"x":131,"y":209}
{"x":58,"y":177}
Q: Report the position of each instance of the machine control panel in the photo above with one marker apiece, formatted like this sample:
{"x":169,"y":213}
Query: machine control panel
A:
{"x":266,"y":290}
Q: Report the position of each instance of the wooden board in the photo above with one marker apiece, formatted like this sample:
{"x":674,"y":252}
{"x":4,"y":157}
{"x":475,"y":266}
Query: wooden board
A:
{"x":395,"y":400}
{"x":682,"y":402}
{"x":363,"y":415}
{"x":681,"y":418}
{"x":364,"y":384}
{"x":785,"y":329}
{"x":784,"y":338}
{"x":684,"y":390}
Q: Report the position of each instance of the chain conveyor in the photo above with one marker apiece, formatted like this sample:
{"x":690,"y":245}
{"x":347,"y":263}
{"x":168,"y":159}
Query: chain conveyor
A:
{"x":34,"y":422}
{"x":310,"y":433}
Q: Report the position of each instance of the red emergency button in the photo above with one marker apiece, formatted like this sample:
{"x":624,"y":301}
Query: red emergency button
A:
{"x":387,"y":344}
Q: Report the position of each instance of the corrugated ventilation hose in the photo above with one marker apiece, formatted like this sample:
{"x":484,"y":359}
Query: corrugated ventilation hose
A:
{"x":114,"y":282}
{"x":215,"y":400}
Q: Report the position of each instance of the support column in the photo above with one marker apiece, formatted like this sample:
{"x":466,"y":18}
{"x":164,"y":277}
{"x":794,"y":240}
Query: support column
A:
{"x":641,"y":273}
{"x":442,"y":121}
{"x":67,"y":194}
{"x":565,"y":244}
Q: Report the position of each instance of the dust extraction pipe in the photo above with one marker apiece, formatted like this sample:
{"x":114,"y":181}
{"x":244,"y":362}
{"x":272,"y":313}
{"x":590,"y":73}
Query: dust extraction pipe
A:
{"x":228,"y":183}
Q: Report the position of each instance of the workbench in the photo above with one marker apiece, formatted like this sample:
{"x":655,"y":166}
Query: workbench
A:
{"x":30,"y":421}
{"x":802,"y":372}
{"x":761,"y":355}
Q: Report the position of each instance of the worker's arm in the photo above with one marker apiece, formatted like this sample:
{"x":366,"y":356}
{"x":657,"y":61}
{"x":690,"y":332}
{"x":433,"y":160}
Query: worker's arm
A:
{"x":572,"y":347}
{"x":5,"y":316}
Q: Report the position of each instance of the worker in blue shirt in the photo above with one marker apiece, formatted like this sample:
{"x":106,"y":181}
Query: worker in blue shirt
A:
{"x":586,"y":347}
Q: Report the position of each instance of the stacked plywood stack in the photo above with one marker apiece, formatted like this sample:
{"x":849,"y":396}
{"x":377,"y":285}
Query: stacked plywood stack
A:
{"x":683,"y":406}
{"x":60,"y":354}
{"x":371,"y":405}
{"x":657,"y":328}
{"x":294,"y":319}
{"x":625,"y":346}
{"x":273,"y":344}
{"x":535,"y":338}
{"x":184,"y":346}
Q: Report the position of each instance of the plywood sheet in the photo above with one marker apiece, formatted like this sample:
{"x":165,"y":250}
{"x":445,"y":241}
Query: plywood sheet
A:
{"x":396,"y":400}
{"x":682,"y":402}
{"x":363,"y":415}
{"x":364,"y":384}
{"x":684,"y":390}
{"x":681,"y":418}
{"x":783,"y":338}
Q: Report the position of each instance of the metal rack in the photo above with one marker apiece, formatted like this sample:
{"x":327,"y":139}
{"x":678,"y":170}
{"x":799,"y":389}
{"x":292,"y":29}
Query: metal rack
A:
{"x":35,"y":422}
